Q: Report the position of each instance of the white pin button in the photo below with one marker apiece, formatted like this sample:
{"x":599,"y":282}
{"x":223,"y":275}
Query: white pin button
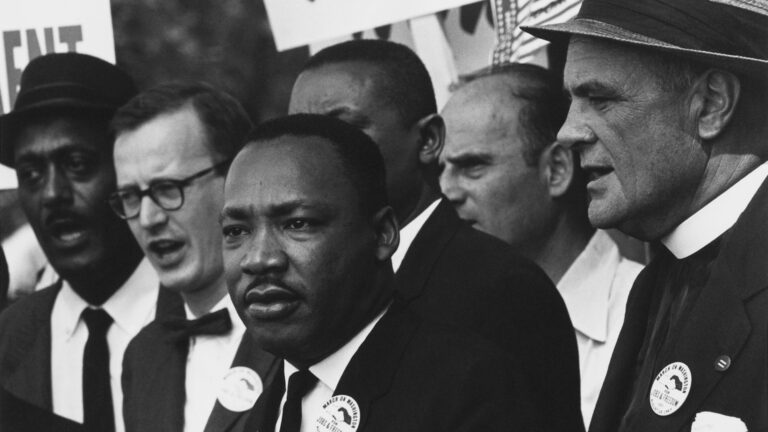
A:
{"x":239,"y":389}
{"x":670,"y":388}
{"x":341,"y":413}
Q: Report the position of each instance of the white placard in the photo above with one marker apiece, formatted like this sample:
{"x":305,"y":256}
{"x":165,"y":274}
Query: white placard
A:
{"x":29,"y":28}
{"x":7,"y":178}
{"x":301,"y":22}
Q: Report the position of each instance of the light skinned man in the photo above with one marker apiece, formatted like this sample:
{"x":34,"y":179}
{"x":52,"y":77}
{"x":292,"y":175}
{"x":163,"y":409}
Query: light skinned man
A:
{"x":448,"y":271}
{"x":308,"y":237}
{"x":173,"y":147}
{"x":61,"y":348}
{"x":668,"y":116}
{"x":505,"y":173}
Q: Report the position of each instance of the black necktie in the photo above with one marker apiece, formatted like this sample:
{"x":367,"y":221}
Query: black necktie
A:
{"x":215,"y":323}
{"x":97,"y":393}
{"x":299,"y":384}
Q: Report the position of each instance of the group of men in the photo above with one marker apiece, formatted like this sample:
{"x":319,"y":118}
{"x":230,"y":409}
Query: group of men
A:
{"x":368,"y":264}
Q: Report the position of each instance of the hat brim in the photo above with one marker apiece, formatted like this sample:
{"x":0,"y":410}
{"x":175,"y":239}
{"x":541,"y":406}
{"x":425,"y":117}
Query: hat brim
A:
{"x":560,"y":33}
{"x":7,"y":120}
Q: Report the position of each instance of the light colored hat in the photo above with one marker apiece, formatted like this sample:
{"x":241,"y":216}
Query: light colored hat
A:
{"x":711,"y":31}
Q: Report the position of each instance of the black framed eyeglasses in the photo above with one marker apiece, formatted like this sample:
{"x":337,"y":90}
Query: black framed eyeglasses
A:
{"x":168,"y":194}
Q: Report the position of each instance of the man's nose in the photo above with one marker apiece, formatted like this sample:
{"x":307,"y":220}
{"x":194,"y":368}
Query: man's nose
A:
{"x":575,"y":133}
{"x":265,"y":254}
{"x":57,"y":187}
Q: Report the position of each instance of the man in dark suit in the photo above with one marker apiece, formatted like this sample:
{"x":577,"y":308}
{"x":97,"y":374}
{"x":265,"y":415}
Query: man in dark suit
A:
{"x":61,"y":348}
{"x":173,"y":146}
{"x":308,"y":237}
{"x":447,"y":271}
{"x":668,"y":115}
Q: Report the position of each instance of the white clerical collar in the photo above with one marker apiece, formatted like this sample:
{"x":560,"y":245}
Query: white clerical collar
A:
{"x":715,"y":218}
{"x":329,"y":370}
{"x":138,"y":293}
{"x":409,"y":232}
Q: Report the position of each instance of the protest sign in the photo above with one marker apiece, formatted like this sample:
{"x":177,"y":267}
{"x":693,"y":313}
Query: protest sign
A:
{"x":30,"y":28}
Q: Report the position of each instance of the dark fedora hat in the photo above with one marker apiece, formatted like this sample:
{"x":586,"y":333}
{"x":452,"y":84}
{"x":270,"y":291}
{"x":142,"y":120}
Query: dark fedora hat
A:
{"x":712,"y":32}
{"x":67,"y":81}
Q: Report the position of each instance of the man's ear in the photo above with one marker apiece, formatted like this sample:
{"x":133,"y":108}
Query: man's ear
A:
{"x":431,"y":138}
{"x":717,"y":93}
{"x":558,"y":165}
{"x":387,"y":233}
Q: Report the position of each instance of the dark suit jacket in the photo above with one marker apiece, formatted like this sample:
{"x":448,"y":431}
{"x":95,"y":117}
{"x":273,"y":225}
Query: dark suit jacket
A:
{"x":730,"y":317}
{"x":455,"y":274}
{"x":411,"y":375}
{"x":17,"y":415}
{"x":25,"y":343}
{"x":154,"y":369}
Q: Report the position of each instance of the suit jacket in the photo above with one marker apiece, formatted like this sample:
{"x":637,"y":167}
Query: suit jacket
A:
{"x":17,"y":415}
{"x":25,"y":343}
{"x":154,"y":373}
{"x":455,"y":274}
{"x":729,"y":318}
{"x":410,"y":375}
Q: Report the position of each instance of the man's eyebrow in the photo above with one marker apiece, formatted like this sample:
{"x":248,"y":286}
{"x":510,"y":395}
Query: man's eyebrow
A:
{"x":236,"y":213}
{"x":591,"y":86}
{"x":469,"y":158}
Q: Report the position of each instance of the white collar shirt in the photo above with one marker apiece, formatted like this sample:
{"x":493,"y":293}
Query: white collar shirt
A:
{"x":208,"y":361}
{"x":131,"y":307}
{"x":595,"y":289}
{"x":409,"y":232}
{"x":715,"y":218}
{"x":328,"y":373}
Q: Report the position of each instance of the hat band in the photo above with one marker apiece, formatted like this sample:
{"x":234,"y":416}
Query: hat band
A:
{"x":686,"y":24}
{"x":71,"y":91}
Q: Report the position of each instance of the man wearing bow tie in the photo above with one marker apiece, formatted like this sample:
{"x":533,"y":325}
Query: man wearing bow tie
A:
{"x":172,"y":149}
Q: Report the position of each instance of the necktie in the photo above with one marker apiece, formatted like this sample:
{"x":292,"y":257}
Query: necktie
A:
{"x":97,"y":393}
{"x":216,"y":323}
{"x":301,"y":382}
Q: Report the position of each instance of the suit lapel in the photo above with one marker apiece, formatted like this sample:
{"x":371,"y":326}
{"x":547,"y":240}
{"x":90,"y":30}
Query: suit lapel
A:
{"x":719,"y":324}
{"x":32,"y":379}
{"x":371,"y":370}
{"x":419,"y":260}
{"x":263,"y":415}
{"x":248,"y":355}
{"x":164,"y":382}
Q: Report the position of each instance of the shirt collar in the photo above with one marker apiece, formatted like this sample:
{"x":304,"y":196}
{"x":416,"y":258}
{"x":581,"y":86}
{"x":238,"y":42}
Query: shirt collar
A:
{"x":409,"y":232}
{"x":330,"y":369}
{"x":715,"y":218}
{"x":126,"y":306}
{"x":586,"y":286}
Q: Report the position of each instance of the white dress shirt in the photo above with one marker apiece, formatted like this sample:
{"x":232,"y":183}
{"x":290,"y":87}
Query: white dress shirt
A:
{"x":595,"y":289}
{"x":208,"y":360}
{"x":715,"y":218}
{"x":409,"y":232}
{"x":328,"y":373}
{"x":131,"y":307}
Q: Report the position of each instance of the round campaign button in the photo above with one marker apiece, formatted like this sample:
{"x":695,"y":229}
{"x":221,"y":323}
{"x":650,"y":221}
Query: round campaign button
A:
{"x":239,"y":389}
{"x":340,"y":414}
{"x":670,"y":388}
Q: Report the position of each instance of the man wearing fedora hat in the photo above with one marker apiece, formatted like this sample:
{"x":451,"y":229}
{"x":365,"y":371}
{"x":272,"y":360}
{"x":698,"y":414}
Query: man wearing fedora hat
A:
{"x":61,"y":348}
{"x":668,"y":115}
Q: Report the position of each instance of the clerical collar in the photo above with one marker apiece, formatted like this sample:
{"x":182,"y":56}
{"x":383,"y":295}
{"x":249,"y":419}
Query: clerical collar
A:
{"x":715,"y":218}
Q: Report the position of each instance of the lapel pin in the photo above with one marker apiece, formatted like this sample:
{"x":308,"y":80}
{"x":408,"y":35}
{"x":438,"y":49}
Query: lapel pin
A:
{"x":670,"y":388}
{"x":722,"y":363}
{"x":341,"y":413}
{"x":239,"y":389}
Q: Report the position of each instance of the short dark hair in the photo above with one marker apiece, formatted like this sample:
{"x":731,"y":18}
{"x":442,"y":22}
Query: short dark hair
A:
{"x":359,"y":155}
{"x":545,"y":108}
{"x":222,"y":116}
{"x":404,"y":80}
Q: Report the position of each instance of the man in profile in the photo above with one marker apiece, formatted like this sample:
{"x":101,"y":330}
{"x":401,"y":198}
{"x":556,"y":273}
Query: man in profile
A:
{"x":448,"y":272}
{"x":308,"y":237}
{"x":505,"y":172}
{"x":61,"y":348}
{"x":668,"y":116}
{"x":173,"y":147}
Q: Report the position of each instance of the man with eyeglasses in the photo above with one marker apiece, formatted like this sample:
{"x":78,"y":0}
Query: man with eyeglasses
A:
{"x":173,"y":146}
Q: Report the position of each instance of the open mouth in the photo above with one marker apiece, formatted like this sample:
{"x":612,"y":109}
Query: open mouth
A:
{"x":594,"y":173}
{"x":166,"y":252}
{"x":67,"y":231}
{"x":270,"y":302}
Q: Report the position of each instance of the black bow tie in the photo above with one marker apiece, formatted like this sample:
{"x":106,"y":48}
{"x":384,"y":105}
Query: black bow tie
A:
{"x":215,"y":323}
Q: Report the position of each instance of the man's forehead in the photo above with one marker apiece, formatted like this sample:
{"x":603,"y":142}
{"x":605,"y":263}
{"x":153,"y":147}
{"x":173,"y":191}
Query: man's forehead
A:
{"x":41,"y":137}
